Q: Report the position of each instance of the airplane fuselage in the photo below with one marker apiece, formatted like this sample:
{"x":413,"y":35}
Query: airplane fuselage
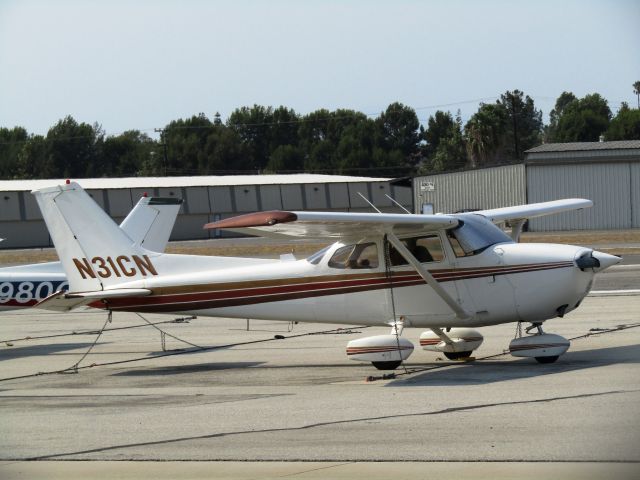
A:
{"x":24,"y":286}
{"x":504,"y":283}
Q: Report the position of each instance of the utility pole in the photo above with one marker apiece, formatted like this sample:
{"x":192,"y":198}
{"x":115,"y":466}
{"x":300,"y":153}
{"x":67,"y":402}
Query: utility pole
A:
{"x":164,"y":149}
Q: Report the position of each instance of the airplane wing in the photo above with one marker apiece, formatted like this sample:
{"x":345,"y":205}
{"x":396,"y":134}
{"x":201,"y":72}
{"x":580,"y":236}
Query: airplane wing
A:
{"x":523,"y":212}
{"x":321,"y":225}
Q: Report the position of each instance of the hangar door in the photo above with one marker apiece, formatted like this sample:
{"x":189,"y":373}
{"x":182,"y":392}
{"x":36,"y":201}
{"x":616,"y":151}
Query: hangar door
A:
{"x":608,"y":185}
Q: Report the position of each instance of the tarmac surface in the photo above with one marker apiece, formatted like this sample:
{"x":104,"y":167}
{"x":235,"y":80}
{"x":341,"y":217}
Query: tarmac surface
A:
{"x":297,"y":407}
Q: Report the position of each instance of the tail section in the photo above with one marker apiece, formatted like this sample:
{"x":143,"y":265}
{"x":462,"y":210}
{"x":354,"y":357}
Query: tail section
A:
{"x":95,"y":253}
{"x":150,"y":222}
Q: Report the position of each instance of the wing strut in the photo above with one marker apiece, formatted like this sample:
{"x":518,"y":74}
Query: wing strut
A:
{"x":424,"y":273}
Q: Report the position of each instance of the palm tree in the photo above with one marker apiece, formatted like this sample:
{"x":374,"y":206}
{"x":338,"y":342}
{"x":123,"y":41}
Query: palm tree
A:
{"x":636,"y":90}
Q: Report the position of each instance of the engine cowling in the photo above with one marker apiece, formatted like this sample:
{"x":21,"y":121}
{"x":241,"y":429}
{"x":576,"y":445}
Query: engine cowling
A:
{"x":547,"y":345}
{"x":379,"y":349}
{"x":464,"y":340}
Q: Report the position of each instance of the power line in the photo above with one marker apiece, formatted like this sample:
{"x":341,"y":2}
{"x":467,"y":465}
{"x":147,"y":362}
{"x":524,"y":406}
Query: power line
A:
{"x":300,"y":120}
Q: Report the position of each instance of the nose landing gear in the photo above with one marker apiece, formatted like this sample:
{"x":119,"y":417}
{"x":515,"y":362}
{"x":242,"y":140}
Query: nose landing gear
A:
{"x":544,"y":347}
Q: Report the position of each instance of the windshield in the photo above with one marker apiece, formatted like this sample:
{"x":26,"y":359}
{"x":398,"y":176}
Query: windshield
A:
{"x":475,"y":233}
{"x":317,"y":257}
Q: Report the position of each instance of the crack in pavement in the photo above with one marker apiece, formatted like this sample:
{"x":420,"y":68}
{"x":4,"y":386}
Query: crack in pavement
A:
{"x":321,"y":424}
{"x":316,"y":469}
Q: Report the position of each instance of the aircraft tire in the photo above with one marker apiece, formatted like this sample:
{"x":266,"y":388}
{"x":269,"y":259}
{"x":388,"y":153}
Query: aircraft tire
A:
{"x":547,"y":359}
{"x":387,"y":365}
{"x":457,"y":355}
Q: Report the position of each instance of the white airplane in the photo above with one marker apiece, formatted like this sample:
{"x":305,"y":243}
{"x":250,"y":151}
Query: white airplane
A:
{"x":445,"y":273}
{"x":148,"y":224}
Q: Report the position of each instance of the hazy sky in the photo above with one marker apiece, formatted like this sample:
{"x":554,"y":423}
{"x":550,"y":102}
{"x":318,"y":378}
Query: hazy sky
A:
{"x":140,"y":64}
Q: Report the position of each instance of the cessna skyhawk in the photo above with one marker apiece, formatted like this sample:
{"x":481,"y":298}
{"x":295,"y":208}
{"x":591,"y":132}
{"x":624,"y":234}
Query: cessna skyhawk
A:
{"x":445,"y":273}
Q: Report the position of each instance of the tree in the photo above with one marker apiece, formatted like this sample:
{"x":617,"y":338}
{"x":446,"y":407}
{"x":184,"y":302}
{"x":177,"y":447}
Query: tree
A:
{"x":398,"y":129}
{"x":32,"y":157}
{"x":636,"y":90}
{"x":439,"y":126}
{"x":129,"y":154}
{"x":319,"y":157}
{"x":72,"y":150}
{"x":562,"y":102}
{"x":313,"y":140}
{"x":524,"y":125}
{"x":320,"y":134}
{"x":283,"y":130}
{"x":484,"y":134}
{"x":445,"y":147}
{"x":583,"y":120}
{"x":451,"y":153}
{"x":185,"y":140}
{"x":11,"y":143}
{"x":285,"y":158}
{"x":225,"y":152}
{"x":625,"y":125}
{"x":251,"y":125}
{"x":354,"y":151}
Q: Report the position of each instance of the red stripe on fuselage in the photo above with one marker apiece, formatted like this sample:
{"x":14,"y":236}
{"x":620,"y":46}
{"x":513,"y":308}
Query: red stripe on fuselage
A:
{"x":243,"y":293}
{"x":16,"y":304}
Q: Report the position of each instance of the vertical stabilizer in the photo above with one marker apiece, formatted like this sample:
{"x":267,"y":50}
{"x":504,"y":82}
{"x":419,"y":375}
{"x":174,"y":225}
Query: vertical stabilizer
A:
{"x":150,"y":222}
{"x":95,"y":253}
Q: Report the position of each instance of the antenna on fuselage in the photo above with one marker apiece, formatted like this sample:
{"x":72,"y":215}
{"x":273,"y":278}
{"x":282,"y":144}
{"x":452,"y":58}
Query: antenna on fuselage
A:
{"x":397,"y":203}
{"x":371,"y":204}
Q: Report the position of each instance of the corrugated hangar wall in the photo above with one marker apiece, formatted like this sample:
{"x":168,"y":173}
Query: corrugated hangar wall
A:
{"x":22,"y":226}
{"x":613,"y":188}
{"x":472,"y":189}
{"x":609,"y":178}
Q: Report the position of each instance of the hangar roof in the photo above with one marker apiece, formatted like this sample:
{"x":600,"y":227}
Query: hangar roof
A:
{"x":585,"y":146}
{"x":203,"y":181}
{"x":584,"y":152}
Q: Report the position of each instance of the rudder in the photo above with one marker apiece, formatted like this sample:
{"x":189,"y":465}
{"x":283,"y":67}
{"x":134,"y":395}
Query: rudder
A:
{"x":95,"y":253}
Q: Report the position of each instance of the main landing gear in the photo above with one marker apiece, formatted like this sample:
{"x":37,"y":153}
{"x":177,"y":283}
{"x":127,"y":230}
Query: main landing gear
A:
{"x":453,"y":343}
{"x":544,"y":347}
{"x":386,"y":352}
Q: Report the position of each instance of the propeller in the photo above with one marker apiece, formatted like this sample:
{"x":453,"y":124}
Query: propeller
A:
{"x":595,"y":259}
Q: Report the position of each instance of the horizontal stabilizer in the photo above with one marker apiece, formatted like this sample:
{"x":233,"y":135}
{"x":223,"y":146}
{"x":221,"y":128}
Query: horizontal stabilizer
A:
{"x":62,"y":301}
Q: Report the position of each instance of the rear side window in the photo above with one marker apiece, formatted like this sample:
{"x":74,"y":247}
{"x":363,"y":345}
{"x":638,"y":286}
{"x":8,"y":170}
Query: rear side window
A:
{"x":356,"y":256}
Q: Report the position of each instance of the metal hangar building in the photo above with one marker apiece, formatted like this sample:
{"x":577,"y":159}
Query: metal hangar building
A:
{"x":206,"y":199}
{"x":608,"y":173}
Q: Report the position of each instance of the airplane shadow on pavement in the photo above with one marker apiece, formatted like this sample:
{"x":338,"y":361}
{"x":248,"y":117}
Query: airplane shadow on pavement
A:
{"x":39,"y":350}
{"x":182,"y":369}
{"x":493,"y":371}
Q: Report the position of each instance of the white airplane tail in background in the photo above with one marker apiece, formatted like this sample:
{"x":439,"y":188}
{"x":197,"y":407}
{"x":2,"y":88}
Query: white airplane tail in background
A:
{"x":95,"y":253}
{"x":151,"y":221}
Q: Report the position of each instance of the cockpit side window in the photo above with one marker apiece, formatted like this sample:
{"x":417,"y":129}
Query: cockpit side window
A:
{"x":356,"y":256}
{"x":426,"y":248}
